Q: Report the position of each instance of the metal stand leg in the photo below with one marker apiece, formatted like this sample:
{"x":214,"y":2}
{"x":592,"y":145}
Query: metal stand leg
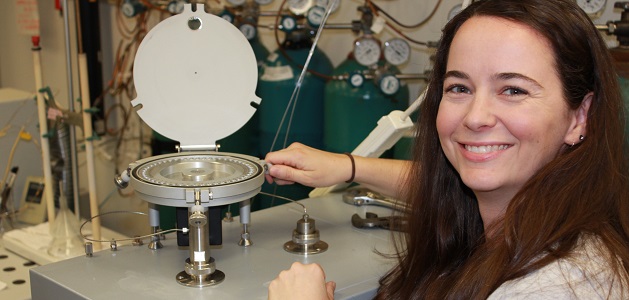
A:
{"x":245,"y":219}
{"x":154,"y":222}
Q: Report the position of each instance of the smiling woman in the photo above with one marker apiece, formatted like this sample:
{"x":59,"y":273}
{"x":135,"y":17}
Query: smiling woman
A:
{"x":501,"y":119}
{"x":519,"y":183}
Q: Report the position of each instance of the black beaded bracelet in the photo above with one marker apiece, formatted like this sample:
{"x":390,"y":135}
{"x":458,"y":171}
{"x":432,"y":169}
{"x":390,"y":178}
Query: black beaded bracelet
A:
{"x":351,"y":158}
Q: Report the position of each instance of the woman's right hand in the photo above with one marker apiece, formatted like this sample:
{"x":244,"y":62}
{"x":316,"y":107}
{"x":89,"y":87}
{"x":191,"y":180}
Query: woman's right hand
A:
{"x":308,"y":166}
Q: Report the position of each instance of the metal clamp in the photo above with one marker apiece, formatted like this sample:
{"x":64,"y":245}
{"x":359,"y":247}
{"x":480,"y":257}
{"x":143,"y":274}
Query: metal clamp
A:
{"x":372,"y":220}
{"x":360,"y":196}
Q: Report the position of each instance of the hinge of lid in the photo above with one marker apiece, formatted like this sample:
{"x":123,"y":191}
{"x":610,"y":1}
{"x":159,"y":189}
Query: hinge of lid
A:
{"x":185,"y":148}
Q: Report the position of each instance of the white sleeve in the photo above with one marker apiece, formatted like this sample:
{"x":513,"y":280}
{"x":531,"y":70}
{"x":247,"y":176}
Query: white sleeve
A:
{"x":587,"y":275}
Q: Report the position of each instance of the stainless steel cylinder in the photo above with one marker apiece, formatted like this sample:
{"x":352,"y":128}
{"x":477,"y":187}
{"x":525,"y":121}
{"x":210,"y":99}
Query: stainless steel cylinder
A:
{"x":305,"y":239}
{"x":199,"y":268}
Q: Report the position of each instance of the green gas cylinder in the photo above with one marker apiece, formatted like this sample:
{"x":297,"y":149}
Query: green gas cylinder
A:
{"x":278,"y":78}
{"x":624,"y":86}
{"x":351,"y":113}
{"x":259,"y":50}
{"x":277,"y":82}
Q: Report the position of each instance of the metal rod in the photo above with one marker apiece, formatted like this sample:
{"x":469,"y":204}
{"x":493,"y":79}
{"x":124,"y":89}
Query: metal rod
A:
{"x":73,"y":154}
{"x":301,"y":26}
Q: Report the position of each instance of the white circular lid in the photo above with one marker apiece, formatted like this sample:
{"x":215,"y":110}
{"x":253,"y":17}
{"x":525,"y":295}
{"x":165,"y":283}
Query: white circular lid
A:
{"x":195,"y":75}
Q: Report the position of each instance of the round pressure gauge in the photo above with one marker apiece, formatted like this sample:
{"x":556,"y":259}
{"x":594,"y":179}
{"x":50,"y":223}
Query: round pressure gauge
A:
{"x":264,"y":2}
{"x":300,"y":7}
{"x":248,"y":30}
{"x":288,"y":24}
{"x":324,"y":4}
{"x":175,"y":6}
{"x":315,"y":15}
{"x":227,"y":16}
{"x":356,"y":79}
{"x":367,"y":51}
{"x":397,"y":51}
{"x":236,"y":2}
{"x":593,"y":8}
{"x":132,"y":8}
{"x":389,"y":84}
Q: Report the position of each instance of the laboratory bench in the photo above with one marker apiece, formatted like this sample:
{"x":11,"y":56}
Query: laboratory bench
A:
{"x":137,"y":272}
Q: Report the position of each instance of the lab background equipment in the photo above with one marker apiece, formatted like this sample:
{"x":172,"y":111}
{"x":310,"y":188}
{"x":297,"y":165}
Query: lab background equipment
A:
{"x":126,"y":138}
{"x":32,"y":201}
{"x":620,"y":53}
{"x":19,"y":139}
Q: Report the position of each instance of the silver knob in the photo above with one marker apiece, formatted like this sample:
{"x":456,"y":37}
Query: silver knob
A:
{"x":122,"y":180}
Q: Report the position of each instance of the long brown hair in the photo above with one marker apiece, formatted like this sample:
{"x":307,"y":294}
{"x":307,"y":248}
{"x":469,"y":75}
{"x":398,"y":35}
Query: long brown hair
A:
{"x":444,"y":253}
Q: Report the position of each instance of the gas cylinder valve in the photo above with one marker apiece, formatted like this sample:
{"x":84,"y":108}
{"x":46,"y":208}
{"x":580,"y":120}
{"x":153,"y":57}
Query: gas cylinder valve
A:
{"x":619,"y":28}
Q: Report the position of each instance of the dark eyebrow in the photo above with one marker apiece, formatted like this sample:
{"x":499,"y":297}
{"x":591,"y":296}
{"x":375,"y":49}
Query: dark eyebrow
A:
{"x":507,"y":76}
{"x":456,"y":74}
{"x":500,"y":76}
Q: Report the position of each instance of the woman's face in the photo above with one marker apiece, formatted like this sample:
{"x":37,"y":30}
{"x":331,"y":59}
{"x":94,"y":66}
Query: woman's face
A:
{"x":503,"y":115}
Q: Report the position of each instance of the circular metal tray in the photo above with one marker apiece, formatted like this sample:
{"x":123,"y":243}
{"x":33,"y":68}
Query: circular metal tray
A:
{"x":220,"y":178}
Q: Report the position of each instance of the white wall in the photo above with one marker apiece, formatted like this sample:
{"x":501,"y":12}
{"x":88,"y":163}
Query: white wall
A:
{"x":16,"y":60}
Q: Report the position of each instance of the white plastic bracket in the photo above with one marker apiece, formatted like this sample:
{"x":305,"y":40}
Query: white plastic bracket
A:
{"x":389,"y":130}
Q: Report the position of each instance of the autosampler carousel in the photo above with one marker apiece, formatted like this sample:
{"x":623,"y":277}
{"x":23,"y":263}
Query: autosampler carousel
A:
{"x":195,"y":75}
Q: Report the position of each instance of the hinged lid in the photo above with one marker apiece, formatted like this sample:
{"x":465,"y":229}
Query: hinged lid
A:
{"x":195,"y":75}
